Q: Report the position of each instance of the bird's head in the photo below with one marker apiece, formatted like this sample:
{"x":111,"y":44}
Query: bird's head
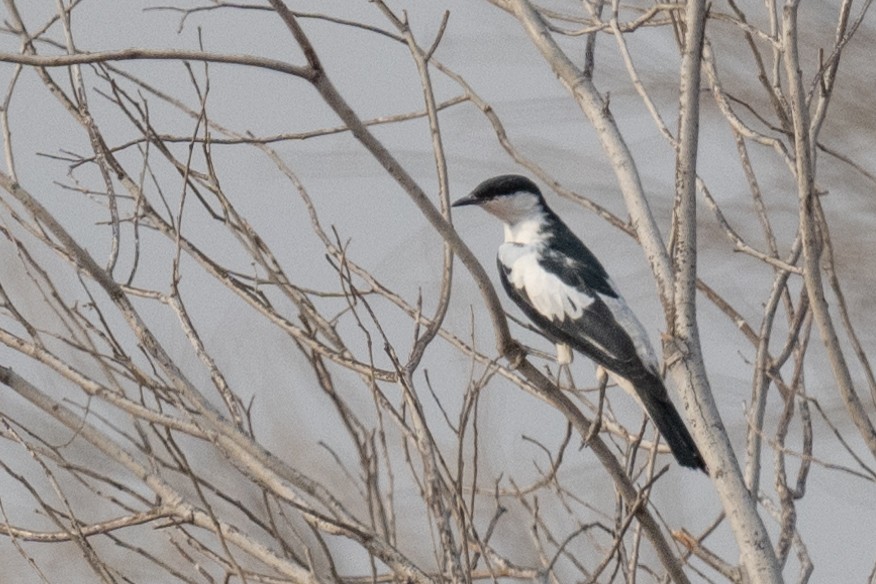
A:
{"x":510,"y":197}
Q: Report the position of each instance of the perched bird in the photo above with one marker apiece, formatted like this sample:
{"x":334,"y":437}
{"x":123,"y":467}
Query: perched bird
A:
{"x":561,"y":286}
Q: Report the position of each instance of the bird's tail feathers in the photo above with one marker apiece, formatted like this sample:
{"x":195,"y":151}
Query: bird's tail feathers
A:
{"x":651,"y":392}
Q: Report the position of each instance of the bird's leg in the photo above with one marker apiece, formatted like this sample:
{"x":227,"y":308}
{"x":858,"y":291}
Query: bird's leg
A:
{"x":564,"y":354}
{"x":602,"y":378}
{"x":564,"y":359}
{"x":570,"y":383}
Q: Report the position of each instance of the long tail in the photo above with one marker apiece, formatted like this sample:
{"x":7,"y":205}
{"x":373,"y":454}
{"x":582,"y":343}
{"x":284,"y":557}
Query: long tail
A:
{"x":662,"y":412}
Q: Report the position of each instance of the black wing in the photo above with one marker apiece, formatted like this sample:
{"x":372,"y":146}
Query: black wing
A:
{"x":595,"y":332}
{"x":573,"y":261}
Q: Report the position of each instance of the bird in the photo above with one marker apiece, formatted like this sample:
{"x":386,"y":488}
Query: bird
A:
{"x":561,"y":286}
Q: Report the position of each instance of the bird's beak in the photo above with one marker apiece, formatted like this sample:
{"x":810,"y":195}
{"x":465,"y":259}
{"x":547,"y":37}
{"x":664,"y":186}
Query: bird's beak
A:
{"x":466,"y":200}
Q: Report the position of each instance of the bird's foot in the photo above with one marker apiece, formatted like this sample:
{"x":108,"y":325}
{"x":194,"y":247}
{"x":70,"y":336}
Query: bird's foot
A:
{"x":602,"y":376}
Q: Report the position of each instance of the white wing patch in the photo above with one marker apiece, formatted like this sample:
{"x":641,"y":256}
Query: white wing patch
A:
{"x":628,"y":321}
{"x":547,"y":293}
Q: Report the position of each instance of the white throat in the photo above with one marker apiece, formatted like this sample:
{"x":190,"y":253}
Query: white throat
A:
{"x":527,"y":231}
{"x":522,"y":215}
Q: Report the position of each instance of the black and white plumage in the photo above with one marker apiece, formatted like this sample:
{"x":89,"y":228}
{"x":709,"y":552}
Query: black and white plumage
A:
{"x":561,"y":286}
